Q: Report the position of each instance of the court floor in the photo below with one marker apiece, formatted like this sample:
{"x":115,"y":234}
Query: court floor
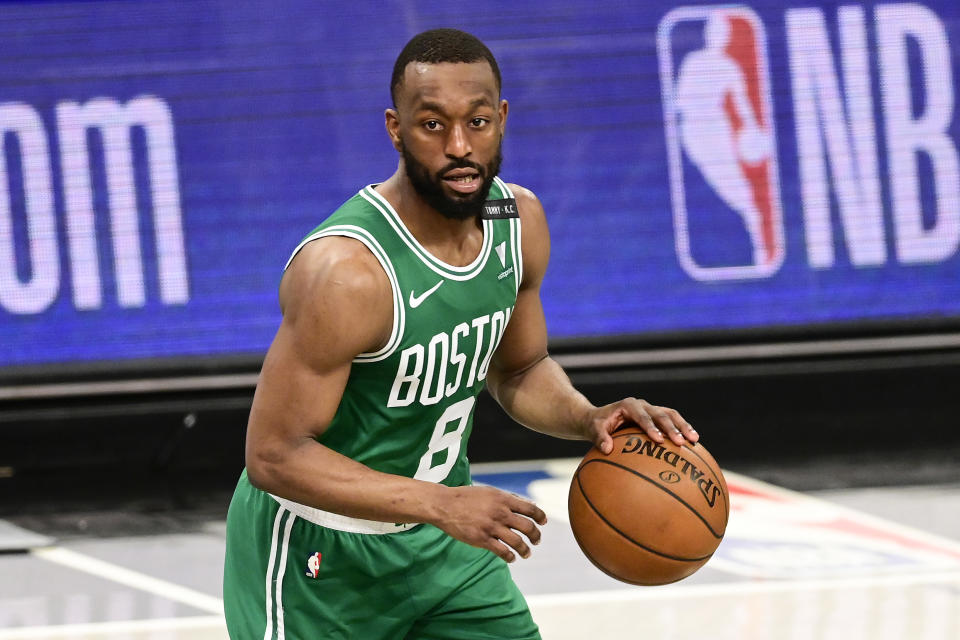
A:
{"x":871,"y":564}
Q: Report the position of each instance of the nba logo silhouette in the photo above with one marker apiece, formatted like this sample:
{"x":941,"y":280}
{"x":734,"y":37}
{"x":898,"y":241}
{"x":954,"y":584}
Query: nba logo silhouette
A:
{"x":721,"y":143}
{"x":313,"y":565}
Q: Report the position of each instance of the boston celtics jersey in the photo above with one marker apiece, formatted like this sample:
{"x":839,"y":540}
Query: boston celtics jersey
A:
{"x":408,"y":408}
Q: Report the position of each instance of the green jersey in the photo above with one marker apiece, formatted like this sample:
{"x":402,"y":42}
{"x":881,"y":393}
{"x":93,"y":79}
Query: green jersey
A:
{"x":408,"y":408}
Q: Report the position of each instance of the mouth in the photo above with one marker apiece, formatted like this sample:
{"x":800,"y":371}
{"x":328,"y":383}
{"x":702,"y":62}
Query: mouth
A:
{"x":463,"y":181}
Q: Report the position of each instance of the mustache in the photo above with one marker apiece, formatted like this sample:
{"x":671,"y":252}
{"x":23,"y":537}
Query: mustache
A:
{"x":462,"y":163}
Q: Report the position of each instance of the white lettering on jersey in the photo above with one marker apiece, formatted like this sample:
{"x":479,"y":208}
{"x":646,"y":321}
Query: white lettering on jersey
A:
{"x":457,"y":358}
{"x":425,"y":368}
{"x":407,"y":380}
{"x":435,"y":377}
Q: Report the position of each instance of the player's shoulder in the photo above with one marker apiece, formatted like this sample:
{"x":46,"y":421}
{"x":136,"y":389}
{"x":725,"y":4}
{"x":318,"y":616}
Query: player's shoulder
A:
{"x":522,"y":194}
{"x":528,"y":204}
{"x":535,"y":237}
{"x":334,"y":268}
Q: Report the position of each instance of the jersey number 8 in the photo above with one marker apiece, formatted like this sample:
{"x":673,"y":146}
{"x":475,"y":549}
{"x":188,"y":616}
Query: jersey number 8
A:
{"x":443,"y":440}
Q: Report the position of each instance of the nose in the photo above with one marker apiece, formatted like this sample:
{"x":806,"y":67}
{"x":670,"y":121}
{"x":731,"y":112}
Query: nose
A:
{"x":458,"y":142}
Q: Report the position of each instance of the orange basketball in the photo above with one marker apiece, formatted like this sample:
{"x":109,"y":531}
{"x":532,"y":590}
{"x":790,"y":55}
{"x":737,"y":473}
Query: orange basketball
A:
{"x":649,"y":513}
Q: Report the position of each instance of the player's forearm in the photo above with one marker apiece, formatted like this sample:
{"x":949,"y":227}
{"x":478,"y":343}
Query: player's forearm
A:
{"x":317,"y":476}
{"x":542,"y":398}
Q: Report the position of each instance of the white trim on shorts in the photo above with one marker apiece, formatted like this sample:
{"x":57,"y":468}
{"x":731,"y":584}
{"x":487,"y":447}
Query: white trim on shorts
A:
{"x":339,"y":522}
{"x":274,"y":588}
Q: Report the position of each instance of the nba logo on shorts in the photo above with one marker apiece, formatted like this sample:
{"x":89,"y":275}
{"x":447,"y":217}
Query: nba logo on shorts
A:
{"x":313,"y":565}
{"x":721,"y":142}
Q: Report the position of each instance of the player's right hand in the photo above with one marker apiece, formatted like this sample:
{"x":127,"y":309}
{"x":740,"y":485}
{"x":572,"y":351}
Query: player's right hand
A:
{"x":490,"y":518}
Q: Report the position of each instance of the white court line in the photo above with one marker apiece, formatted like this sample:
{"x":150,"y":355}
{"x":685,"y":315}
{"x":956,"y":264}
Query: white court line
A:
{"x":737,"y":588}
{"x":214,"y":605}
{"x":130,"y":578}
{"x":888,"y":526}
{"x":119,"y":627}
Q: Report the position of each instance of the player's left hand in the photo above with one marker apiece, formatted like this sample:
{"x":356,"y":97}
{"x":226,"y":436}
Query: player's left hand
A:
{"x":657,"y":422}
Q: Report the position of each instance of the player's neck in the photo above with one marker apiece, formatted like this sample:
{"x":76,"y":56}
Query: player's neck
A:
{"x":453,"y":241}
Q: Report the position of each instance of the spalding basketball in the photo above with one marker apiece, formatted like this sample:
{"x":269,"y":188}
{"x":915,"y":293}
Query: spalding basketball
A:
{"x":649,"y":513}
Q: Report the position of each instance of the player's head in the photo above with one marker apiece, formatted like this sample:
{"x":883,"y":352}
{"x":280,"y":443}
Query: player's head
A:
{"x":437,"y":46}
{"x":448,"y":119}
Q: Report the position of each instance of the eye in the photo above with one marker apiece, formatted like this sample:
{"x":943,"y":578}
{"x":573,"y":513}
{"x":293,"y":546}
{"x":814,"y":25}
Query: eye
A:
{"x":479,"y":122}
{"x":432,"y":125}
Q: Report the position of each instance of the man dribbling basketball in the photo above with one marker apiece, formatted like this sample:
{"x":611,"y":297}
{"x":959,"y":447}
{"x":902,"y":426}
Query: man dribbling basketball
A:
{"x":355,"y":517}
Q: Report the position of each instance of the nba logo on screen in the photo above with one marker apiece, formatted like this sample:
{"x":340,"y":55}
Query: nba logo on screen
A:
{"x":721,"y":142}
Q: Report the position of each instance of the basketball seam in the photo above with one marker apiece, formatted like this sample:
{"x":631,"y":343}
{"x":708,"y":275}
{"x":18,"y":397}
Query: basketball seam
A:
{"x":661,"y":487}
{"x":642,"y":546}
{"x":616,"y":575}
{"x":707,"y":466}
{"x":716,"y":477}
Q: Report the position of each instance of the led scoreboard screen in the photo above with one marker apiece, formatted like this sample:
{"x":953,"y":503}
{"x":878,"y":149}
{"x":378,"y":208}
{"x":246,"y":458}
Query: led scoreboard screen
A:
{"x":715,"y":168}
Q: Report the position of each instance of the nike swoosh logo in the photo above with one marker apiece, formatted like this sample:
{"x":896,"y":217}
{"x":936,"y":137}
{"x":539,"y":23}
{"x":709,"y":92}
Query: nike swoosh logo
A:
{"x":416,"y":301}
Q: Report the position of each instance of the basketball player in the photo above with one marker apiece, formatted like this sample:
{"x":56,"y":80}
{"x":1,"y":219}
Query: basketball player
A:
{"x":355,"y":516}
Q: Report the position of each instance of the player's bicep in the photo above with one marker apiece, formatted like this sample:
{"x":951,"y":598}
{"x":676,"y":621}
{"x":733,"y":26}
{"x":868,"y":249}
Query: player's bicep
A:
{"x":524,"y":341}
{"x":298,"y":391}
{"x":336,"y":305}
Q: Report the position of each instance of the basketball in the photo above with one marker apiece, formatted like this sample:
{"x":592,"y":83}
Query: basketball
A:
{"x":649,"y":513}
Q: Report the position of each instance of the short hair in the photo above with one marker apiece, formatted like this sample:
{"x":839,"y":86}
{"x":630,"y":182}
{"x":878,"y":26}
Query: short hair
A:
{"x":441,"y":45}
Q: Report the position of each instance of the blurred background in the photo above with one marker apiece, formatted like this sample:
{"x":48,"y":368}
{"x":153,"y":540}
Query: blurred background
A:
{"x":755,"y":219}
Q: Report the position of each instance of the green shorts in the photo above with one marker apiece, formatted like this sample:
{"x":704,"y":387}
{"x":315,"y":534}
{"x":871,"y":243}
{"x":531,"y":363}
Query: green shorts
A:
{"x":287,"y":577}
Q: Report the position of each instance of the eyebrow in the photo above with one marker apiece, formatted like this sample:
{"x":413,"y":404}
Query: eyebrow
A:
{"x":436,"y":106}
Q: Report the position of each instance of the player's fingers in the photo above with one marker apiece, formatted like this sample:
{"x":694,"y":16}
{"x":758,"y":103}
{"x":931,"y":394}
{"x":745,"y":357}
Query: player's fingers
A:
{"x":501,"y":550}
{"x":664,"y":421}
{"x":527,"y":527}
{"x":515,"y":541}
{"x":636,"y":411}
{"x":604,"y":442}
{"x":529,"y":509}
{"x":685,"y":427}
{"x":673,"y":425}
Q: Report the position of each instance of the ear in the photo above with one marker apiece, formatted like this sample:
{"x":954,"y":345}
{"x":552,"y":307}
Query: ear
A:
{"x":504,"y":109}
{"x":392,"y":122}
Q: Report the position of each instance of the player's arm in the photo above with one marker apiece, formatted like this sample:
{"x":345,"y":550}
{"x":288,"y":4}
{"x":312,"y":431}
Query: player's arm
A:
{"x":532,"y":388}
{"x":337,"y":303}
{"x":333,"y":304}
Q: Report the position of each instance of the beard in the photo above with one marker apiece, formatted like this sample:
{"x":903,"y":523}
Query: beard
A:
{"x":430,"y":186}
